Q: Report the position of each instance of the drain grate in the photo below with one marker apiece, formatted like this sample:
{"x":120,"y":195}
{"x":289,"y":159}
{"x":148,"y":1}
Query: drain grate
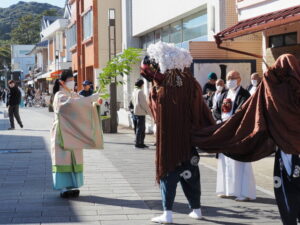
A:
{"x":13,"y":151}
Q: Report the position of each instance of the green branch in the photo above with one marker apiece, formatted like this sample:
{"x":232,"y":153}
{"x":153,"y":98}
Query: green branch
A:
{"x":118,"y":66}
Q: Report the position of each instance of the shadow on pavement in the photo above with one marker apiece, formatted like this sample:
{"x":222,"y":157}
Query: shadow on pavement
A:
{"x":236,"y":212}
{"x":137,"y":204}
{"x":26,"y":192}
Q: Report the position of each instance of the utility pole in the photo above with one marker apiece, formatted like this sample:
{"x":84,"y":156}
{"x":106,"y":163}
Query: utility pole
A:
{"x":113,"y":85}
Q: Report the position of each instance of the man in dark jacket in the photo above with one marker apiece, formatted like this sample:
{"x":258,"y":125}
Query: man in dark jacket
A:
{"x":87,"y":90}
{"x":234,"y":178}
{"x":13,"y":101}
{"x":234,"y":87}
{"x":213,"y":99}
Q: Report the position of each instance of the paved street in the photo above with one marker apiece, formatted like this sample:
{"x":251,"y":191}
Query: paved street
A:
{"x":119,"y":184}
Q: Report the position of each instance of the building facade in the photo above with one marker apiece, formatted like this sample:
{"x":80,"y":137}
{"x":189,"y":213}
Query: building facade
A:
{"x":88,"y":39}
{"x":21,"y":62}
{"x":191,"y":25}
{"x":280,"y":38}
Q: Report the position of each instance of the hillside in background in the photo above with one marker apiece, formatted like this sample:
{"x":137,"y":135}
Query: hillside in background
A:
{"x":9,"y":17}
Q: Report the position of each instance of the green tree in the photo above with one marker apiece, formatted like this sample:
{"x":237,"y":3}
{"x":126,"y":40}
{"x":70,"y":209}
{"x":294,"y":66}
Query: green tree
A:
{"x":29,"y":28}
{"x":27,"y":32}
{"x":5,"y":53}
{"x":118,"y":66}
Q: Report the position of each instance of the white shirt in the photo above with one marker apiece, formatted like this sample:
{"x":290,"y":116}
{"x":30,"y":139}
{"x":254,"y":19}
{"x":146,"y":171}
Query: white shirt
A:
{"x":216,"y":99}
{"x":252,"y":90}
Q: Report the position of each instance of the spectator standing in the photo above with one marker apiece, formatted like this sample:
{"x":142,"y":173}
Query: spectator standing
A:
{"x":13,"y":102}
{"x":141,"y":109}
{"x":87,"y":90}
{"x":234,"y":178}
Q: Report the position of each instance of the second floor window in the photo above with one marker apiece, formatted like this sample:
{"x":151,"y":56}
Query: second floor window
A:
{"x":72,"y":35}
{"x":88,"y":25}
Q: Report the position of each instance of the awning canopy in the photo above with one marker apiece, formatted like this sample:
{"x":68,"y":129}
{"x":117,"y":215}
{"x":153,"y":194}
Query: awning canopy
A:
{"x":259,"y":23}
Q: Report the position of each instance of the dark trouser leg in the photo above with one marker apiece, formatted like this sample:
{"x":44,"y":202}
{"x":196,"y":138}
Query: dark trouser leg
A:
{"x":11,"y":116}
{"x":168,"y":187}
{"x":190,"y":182}
{"x":140,"y":132}
{"x":17,"y":115}
{"x":134,"y":120}
{"x":286,"y":194}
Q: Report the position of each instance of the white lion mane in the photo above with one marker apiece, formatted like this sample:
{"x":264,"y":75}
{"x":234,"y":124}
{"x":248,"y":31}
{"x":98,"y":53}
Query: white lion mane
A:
{"x":169,"y":57}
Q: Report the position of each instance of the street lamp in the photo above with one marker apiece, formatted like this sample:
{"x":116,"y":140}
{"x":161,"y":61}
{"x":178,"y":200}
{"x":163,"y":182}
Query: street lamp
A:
{"x":113,"y":84}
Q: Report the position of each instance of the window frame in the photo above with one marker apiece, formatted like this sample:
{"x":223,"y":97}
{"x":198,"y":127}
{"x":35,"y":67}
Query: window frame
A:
{"x":283,"y":39}
{"x":91,"y":24}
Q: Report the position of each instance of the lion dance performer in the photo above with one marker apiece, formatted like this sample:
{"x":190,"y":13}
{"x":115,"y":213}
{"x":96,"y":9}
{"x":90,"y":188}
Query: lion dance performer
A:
{"x":179,"y":107}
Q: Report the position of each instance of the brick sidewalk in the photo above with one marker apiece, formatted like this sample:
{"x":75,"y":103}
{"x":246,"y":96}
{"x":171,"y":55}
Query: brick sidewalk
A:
{"x":119,"y":184}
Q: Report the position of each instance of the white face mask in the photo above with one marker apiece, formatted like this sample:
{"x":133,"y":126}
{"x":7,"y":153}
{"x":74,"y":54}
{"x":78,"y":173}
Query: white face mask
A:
{"x":254,"y":83}
{"x":220,"y":88}
{"x":70,"y":84}
{"x":232,"y":84}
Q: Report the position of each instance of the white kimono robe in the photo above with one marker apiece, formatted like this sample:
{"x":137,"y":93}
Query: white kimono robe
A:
{"x":234,"y":178}
{"x":75,"y":128}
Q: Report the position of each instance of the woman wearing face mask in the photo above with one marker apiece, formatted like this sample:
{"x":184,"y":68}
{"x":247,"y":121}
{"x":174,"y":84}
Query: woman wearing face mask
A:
{"x":67,"y":163}
{"x":255,"y":81}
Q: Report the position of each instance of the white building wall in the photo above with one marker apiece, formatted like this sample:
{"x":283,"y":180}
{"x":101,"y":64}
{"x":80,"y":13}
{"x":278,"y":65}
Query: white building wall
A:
{"x":140,"y":17}
{"x":20,"y":60}
{"x":147,"y":16}
{"x":251,"y":8}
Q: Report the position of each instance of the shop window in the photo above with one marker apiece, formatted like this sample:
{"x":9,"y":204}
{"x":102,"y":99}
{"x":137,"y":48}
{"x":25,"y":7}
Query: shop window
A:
{"x":176,"y":32}
{"x":88,"y":25}
{"x":283,"y":40}
{"x":147,"y":40}
{"x":180,"y":32}
{"x":157,"y":36}
{"x":195,"y":26}
{"x":165,"y":37}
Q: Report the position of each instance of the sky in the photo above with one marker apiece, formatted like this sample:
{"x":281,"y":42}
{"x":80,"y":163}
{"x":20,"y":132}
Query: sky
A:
{"x":7,"y":3}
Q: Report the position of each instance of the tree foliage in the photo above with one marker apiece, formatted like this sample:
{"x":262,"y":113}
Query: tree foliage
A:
{"x":9,"y":17}
{"x":5,"y":53}
{"x":28,"y":30}
{"x":118,"y":66}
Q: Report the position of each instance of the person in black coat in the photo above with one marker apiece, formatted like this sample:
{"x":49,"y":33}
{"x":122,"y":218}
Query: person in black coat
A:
{"x":241,"y":95}
{"x":13,"y":102}
{"x":213,"y":99}
{"x":87,"y":90}
{"x":210,"y":86}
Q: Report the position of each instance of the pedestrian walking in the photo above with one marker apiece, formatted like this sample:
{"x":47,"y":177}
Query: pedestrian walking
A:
{"x":141,"y":109}
{"x":87,"y":90}
{"x":234,"y":178}
{"x":66,"y":148}
{"x":4,"y":95}
{"x":134,"y":121}
{"x":13,"y":102}
{"x":179,"y":107}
